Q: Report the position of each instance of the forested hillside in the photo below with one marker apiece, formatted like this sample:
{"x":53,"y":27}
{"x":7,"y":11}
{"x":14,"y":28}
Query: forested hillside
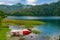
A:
{"x":52,"y":9}
{"x":9,"y":8}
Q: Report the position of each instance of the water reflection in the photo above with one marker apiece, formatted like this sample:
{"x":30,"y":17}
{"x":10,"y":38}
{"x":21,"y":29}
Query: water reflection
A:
{"x":29,"y":17}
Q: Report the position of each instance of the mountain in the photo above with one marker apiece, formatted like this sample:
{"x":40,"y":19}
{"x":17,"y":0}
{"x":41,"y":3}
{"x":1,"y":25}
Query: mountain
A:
{"x":8,"y":8}
{"x":52,"y":9}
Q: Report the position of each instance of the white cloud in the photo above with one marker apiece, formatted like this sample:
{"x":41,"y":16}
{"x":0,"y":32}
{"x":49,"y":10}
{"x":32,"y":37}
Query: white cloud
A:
{"x":31,"y":2}
{"x":2,"y":2}
{"x":9,"y":2}
{"x":5,"y":3}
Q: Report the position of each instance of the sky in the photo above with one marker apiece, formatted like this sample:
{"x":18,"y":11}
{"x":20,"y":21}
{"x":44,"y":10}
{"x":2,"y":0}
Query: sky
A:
{"x":29,"y":2}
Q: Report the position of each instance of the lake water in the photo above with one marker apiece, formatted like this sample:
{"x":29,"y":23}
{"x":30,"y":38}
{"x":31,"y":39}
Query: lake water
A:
{"x":51,"y":28}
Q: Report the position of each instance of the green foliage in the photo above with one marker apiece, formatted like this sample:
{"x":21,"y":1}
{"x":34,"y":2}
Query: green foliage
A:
{"x":36,"y":31}
{"x":3,"y":33}
{"x":39,"y":10}
{"x":29,"y":26}
{"x":57,"y":11}
{"x":2,"y":16}
{"x":51,"y":9}
{"x":27,"y":23}
{"x":59,"y":37}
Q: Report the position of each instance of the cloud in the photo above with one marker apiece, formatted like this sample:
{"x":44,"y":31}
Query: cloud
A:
{"x":31,"y":2}
{"x":9,"y":2}
{"x":40,"y":2}
{"x":5,"y":3}
{"x":2,"y":2}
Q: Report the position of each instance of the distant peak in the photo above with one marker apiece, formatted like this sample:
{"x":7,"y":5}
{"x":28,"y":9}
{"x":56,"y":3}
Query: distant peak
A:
{"x":18,"y":4}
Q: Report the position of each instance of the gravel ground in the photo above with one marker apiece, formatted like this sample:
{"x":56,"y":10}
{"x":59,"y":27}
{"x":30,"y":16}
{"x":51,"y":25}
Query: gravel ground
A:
{"x":28,"y":37}
{"x":32,"y":37}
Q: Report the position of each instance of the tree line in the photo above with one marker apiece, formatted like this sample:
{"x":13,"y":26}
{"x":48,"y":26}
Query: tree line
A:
{"x":52,"y":9}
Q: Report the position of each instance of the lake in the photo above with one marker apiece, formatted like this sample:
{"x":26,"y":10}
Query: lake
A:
{"x":51,"y":28}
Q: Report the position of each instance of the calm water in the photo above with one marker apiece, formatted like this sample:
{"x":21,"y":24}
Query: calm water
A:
{"x":51,"y":27}
{"x":31,"y":17}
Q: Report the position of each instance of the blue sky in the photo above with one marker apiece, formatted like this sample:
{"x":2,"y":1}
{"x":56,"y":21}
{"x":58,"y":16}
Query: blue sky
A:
{"x":30,"y":2}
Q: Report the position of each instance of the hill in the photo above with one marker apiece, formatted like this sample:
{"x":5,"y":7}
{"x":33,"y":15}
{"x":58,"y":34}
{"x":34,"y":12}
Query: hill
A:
{"x":9,"y":8}
{"x":52,"y":9}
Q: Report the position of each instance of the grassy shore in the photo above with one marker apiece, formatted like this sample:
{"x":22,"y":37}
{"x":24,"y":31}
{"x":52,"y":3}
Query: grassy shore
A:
{"x":28,"y":23}
{"x":3,"y":31}
{"x":23,"y":22}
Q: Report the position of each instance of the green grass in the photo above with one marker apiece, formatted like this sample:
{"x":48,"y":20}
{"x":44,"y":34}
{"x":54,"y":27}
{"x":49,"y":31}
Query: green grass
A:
{"x":36,"y":31}
{"x":3,"y":33}
{"x":28,"y":23}
{"x":23,"y":22}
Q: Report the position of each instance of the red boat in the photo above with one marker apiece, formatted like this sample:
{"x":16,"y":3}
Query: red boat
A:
{"x":21,"y":32}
